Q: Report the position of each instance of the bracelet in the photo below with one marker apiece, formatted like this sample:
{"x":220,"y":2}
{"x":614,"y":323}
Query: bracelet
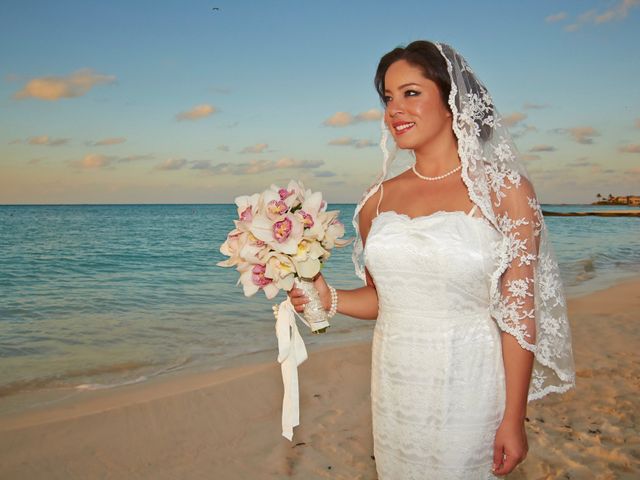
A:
{"x":334,"y":302}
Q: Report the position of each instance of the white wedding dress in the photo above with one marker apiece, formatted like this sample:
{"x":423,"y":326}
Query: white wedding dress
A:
{"x":437,"y":379}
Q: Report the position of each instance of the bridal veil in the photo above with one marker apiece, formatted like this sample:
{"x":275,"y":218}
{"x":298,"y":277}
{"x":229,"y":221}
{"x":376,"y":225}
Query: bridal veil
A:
{"x":527,"y":297}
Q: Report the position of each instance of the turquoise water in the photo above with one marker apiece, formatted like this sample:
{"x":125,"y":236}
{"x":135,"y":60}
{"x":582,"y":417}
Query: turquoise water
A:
{"x":93,"y":296}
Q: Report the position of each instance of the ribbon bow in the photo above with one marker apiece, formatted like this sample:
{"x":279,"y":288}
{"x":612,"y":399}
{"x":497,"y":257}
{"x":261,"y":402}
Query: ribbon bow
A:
{"x":291,"y":353}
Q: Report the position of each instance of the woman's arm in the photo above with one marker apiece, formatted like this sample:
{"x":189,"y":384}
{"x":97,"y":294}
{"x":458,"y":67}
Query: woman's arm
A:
{"x":518,"y":364}
{"x":517,"y":314}
{"x":510,"y":445}
{"x":360,"y":302}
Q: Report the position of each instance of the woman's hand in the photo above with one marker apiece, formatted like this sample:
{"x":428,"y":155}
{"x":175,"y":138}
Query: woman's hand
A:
{"x":298,"y":298}
{"x":510,"y":441}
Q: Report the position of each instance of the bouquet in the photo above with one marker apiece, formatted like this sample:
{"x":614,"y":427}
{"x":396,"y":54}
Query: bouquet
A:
{"x":282,"y":238}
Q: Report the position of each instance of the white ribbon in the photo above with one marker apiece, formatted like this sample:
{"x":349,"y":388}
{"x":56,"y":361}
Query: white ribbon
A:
{"x":291,"y":353}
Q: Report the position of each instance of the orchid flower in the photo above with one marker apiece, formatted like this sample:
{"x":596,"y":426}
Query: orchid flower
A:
{"x":282,"y":234}
{"x":253,"y":278}
{"x":247,"y":205}
{"x":281,"y":269}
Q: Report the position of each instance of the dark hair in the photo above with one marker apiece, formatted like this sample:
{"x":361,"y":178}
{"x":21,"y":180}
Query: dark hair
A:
{"x":424,"y":55}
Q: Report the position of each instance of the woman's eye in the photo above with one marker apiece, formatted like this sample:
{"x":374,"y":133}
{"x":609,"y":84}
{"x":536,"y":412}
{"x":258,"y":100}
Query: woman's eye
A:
{"x":386,"y":99}
{"x":411,"y":91}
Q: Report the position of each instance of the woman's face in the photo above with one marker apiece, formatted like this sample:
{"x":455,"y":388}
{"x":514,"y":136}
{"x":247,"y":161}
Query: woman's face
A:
{"x":415,"y":112}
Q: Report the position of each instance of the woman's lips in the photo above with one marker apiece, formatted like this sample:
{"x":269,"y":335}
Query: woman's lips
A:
{"x":405,"y":129}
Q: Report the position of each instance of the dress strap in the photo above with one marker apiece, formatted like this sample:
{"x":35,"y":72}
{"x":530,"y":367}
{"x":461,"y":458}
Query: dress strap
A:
{"x":473,"y":209}
{"x":380,"y":199}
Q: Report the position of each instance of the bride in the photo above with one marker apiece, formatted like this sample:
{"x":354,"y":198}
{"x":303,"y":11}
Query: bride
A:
{"x":459,"y":275}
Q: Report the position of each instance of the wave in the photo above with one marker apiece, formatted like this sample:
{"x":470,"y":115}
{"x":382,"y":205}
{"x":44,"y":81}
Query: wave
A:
{"x":65,"y":380}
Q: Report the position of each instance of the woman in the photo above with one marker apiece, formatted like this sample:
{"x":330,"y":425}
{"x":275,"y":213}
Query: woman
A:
{"x":458,"y":273}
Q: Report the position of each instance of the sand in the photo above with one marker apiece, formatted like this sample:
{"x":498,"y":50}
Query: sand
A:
{"x":225,"y":424}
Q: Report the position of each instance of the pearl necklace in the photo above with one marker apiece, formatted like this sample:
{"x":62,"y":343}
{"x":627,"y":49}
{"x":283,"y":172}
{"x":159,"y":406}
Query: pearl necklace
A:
{"x":413,"y":167}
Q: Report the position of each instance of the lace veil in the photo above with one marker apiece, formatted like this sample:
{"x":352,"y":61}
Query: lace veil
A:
{"x":527,"y":297}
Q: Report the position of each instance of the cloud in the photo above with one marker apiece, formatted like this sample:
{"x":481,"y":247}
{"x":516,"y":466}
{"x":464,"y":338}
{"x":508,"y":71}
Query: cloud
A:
{"x":522,"y":129}
{"x":513,"y":119}
{"x":201,"y":164}
{"x":364,"y":144}
{"x":45,"y":141}
{"x":342,"y":141}
{"x":633,"y":171}
{"x":529,"y":106}
{"x":581,"y":162}
{"x":324,"y":173}
{"x":542,"y":148}
{"x":583,"y":135}
{"x":556,"y":17}
{"x":94,"y":161}
{"x":618,"y":11}
{"x":172,"y":164}
{"x":223,"y":148}
{"x":637,"y":122}
{"x":369,"y":115}
{"x":257,"y":166}
{"x":257,"y":148}
{"x":196,"y":113}
{"x":99,"y":161}
{"x":527,"y":157}
{"x":632,"y":148}
{"x":342,"y":119}
{"x":246,"y":168}
{"x":54,"y":88}
{"x":109,"y":141}
{"x":339,"y":119}
{"x":287,"y":162}
{"x":351,"y":142}
{"x":134,"y":158}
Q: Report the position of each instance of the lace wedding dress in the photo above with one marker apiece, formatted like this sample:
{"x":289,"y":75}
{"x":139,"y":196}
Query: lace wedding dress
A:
{"x":437,"y":380}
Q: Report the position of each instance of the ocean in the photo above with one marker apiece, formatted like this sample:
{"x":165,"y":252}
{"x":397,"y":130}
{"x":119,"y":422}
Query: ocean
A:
{"x":96,"y":296}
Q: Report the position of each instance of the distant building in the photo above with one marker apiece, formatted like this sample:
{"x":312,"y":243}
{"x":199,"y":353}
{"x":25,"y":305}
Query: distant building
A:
{"x":627,"y":200}
{"x":621,"y":200}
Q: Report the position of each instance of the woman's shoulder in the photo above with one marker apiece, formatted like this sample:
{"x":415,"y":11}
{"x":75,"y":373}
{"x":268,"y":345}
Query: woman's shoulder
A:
{"x":369,"y":206}
{"x":384,"y":189}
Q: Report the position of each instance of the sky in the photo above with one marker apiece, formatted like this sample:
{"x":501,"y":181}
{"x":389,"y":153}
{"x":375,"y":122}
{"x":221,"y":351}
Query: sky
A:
{"x":116,"y":102}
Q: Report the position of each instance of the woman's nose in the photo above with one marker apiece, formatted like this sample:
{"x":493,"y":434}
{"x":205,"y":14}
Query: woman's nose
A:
{"x":394,"y":107}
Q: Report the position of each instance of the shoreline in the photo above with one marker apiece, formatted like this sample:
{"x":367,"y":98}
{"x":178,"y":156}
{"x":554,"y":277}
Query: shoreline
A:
{"x":226,"y":422}
{"x":27,"y":402}
{"x":595,"y":213}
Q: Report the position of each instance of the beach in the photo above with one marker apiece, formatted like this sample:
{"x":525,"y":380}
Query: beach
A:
{"x":225,"y":424}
